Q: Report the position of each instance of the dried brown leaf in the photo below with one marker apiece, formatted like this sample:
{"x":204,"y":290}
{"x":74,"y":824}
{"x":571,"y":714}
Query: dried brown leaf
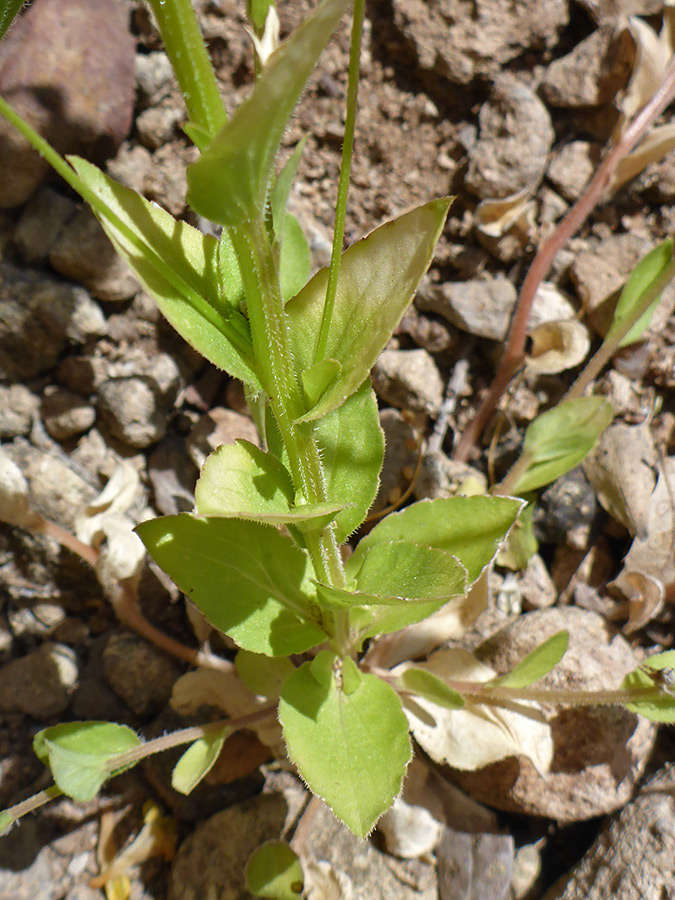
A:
{"x":557,"y":346}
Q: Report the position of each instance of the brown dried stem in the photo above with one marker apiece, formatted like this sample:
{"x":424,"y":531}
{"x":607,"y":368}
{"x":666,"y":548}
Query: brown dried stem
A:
{"x":569,"y":225}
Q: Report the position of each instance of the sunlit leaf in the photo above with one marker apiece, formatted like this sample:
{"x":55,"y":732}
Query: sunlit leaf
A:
{"x":274,"y":872}
{"x":378,"y":278}
{"x":249,"y":580}
{"x":197,"y":761}
{"x":537,"y":663}
{"x":655,"y":672}
{"x":178,"y":266}
{"x":8,"y":10}
{"x":282,"y":188}
{"x":425,"y":684}
{"x":560,"y":438}
{"x":641,"y":278}
{"x":521,"y":543}
{"x":81,"y":754}
{"x":469,"y":528}
{"x":352,"y":748}
{"x":228,"y":184}
{"x":294,"y":258}
{"x":351,"y":444}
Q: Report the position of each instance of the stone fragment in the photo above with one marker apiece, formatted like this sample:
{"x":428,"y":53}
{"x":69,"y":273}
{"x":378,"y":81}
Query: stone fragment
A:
{"x":408,"y":379}
{"x":173,"y":476}
{"x":132,"y":409}
{"x":440,"y":476}
{"x":154,"y":76}
{"x":139,"y":673}
{"x":400,"y":456}
{"x":459,"y":41}
{"x":77,"y":92}
{"x":514,"y":141}
{"x":18,"y":405}
{"x":39,"y":317}
{"x":65,"y":414}
{"x":39,"y":684}
{"x":41,"y":222}
{"x":219,"y":426}
{"x":484,"y":308}
{"x":594,"y":72}
{"x":83,"y":253}
{"x":616,"y":10}
{"x":158,"y":125}
{"x":566,"y":511}
{"x":599,"y":752}
{"x":536,"y":585}
{"x":572,"y":167}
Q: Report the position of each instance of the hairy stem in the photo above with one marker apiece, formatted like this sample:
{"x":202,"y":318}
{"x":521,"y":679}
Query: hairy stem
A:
{"x":570,"y":224}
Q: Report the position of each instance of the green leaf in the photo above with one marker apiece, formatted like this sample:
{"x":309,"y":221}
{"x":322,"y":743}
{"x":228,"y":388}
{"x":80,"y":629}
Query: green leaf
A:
{"x":378,"y":278}
{"x":81,"y":754}
{"x":178,"y":266}
{"x":318,"y":377}
{"x":537,"y":663}
{"x":560,"y":438}
{"x":351,"y":444}
{"x":469,"y":528}
{"x":241,"y":481}
{"x":640,"y":280}
{"x":230,"y":281}
{"x":294,"y":258}
{"x":274,"y":872}
{"x":282,"y":188}
{"x":521,"y":543}
{"x":197,"y":761}
{"x":8,"y":10}
{"x":351,"y":749}
{"x":431,"y":687}
{"x":249,"y":580}
{"x":264,"y":675}
{"x":229,"y":183}
{"x":6,"y":821}
{"x":660,"y":708}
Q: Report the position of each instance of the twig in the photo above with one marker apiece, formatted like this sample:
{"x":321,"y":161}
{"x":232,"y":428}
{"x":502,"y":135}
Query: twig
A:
{"x":570,"y":224}
{"x":453,"y":391}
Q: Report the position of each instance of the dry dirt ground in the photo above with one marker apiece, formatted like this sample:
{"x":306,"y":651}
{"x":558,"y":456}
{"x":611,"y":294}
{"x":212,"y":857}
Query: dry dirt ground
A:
{"x":508,"y":106}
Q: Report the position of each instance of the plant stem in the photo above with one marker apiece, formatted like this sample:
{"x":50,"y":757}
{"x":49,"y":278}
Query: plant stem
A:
{"x":14,"y":813}
{"x":610,"y":345}
{"x":271,"y":345}
{"x":343,"y":183}
{"x":190,"y":61}
{"x":570,"y":224}
{"x":483,"y":693}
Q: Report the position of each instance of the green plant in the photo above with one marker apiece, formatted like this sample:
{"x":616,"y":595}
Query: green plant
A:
{"x":263,"y":556}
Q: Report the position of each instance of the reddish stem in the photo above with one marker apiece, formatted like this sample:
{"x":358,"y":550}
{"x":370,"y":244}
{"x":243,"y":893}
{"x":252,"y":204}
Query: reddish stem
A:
{"x":569,"y":225}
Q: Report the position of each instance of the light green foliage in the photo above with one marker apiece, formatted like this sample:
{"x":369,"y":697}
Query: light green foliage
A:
{"x":661,"y":707}
{"x":274,"y":872}
{"x":537,"y":663}
{"x":521,"y":542}
{"x":427,"y":685}
{"x":6,"y":822}
{"x":294,"y":258}
{"x":351,"y":445}
{"x":241,"y":157}
{"x":560,"y":438}
{"x":248,"y":579}
{"x":264,"y":675}
{"x":642,"y":277}
{"x":197,"y":761}
{"x":348,"y":736}
{"x":378,"y":277}
{"x":179,"y":267}
{"x":81,"y":754}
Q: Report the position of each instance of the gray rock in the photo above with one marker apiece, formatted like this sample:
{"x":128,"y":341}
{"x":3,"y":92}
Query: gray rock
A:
{"x":83,"y":253}
{"x":211,"y":861}
{"x":133,"y":410}
{"x":41,"y":683}
{"x":440,"y":476}
{"x":139,"y":673}
{"x":39,"y":317}
{"x":566,"y":511}
{"x":572,"y":167}
{"x":27,"y":870}
{"x":77,"y":92}
{"x":594,"y":72}
{"x":599,"y":752}
{"x":154,"y":76}
{"x":408,"y":379}
{"x":18,"y":405}
{"x":166,"y":182}
{"x":65,"y":414}
{"x":616,"y":10}
{"x":158,"y":125}
{"x":219,"y":426}
{"x":400,"y":456}
{"x":459,"y":41}
{"x":172,"y":475}
{"x":514,"y":141}
{"x":484,"y":308}
{"x":41,"y":222}
{"x":131,"y":166}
